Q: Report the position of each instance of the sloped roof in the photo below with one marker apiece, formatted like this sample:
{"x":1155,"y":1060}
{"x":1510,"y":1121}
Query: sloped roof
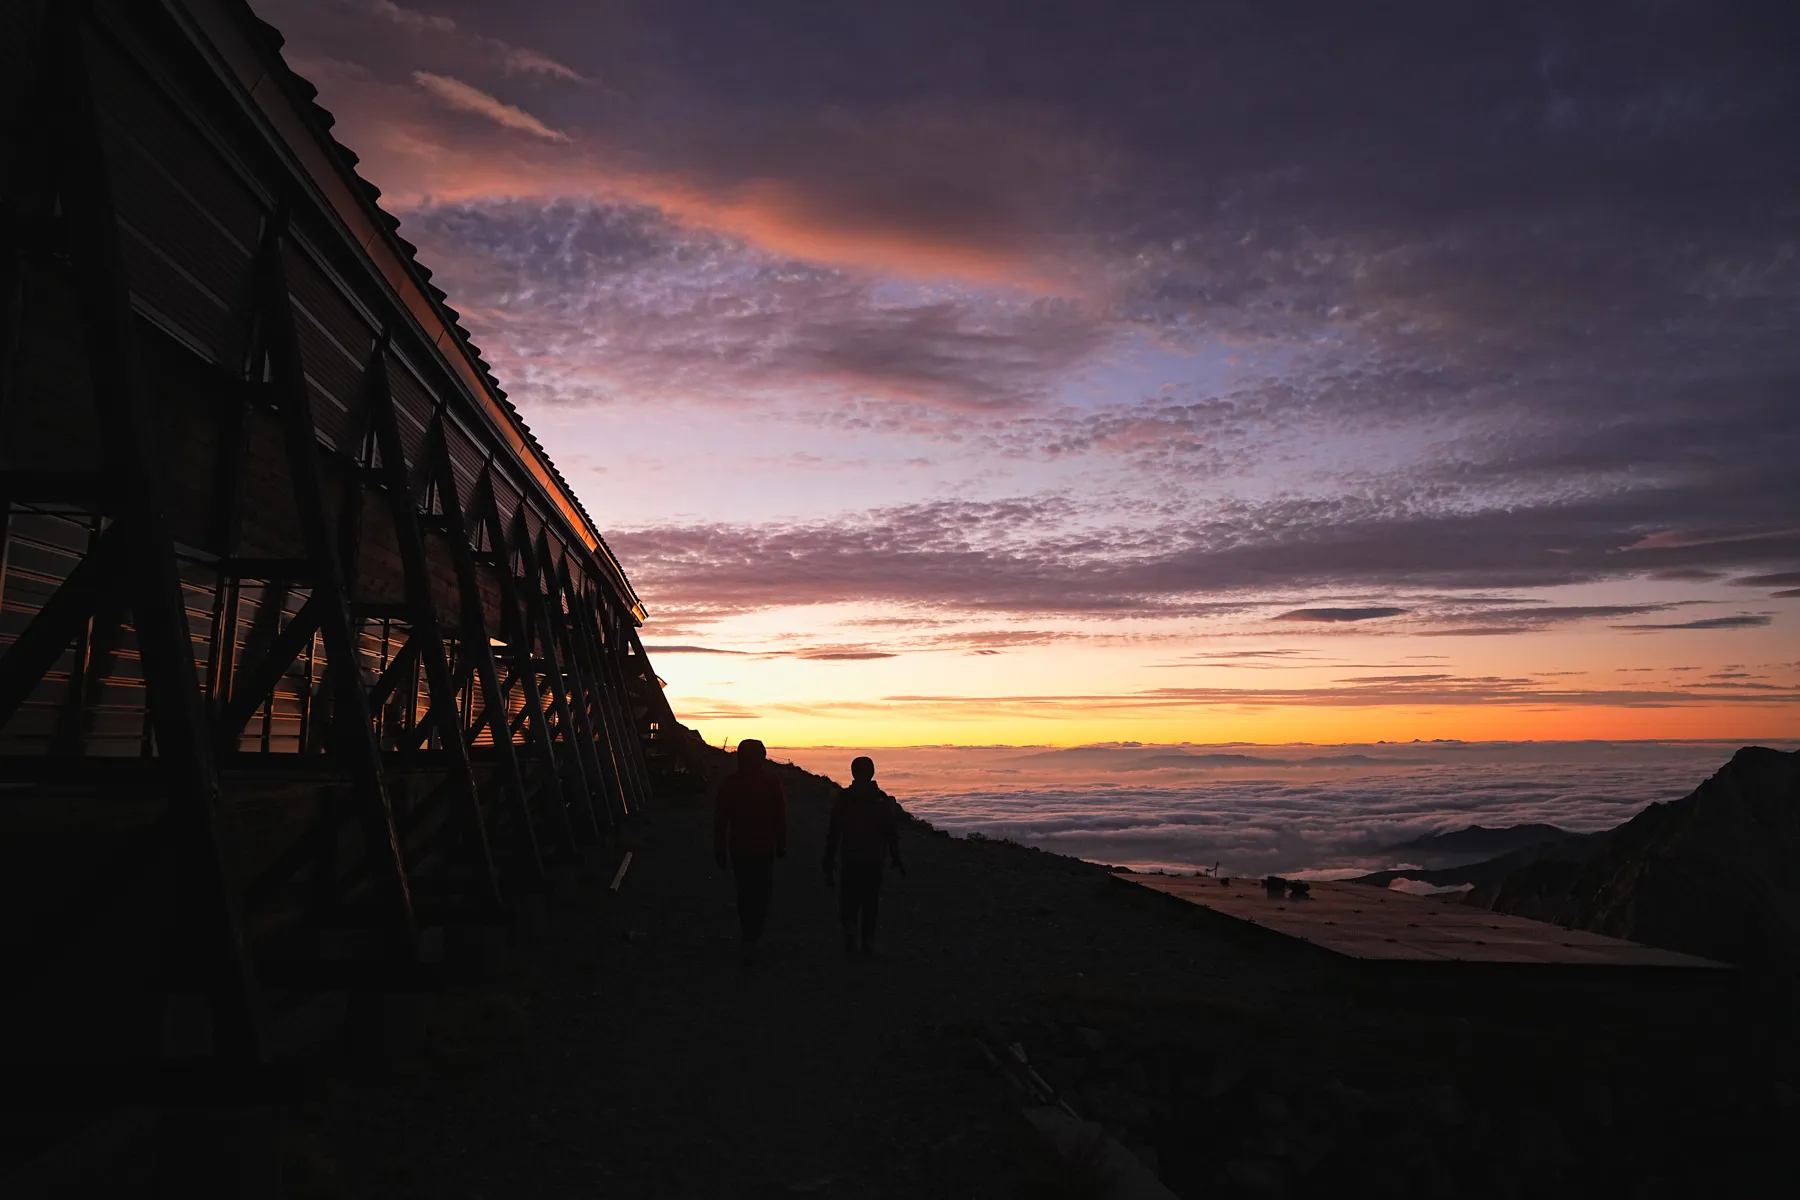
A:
{"x":273,"y":86}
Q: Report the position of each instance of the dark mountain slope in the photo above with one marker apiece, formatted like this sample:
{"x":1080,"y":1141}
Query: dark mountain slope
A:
{"x":1571,"y":849}
{"x":1716,"y":873}
{"x":1479,"y":839}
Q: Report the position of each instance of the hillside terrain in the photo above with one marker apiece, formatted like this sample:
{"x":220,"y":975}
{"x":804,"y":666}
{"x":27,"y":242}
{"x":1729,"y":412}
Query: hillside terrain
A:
{"x":627,"y":1053}
{"x":1716,"y":873}
{"x":1483,"y":841}
{"x":1485,"y":876}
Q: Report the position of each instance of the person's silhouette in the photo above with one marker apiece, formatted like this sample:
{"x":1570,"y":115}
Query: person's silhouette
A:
{"x":864,"y":834}
{"x":749,"y":834}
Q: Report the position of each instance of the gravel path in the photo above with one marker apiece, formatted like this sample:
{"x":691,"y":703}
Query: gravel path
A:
{"x":658,"y":1065}
{"x":633,"y":1056}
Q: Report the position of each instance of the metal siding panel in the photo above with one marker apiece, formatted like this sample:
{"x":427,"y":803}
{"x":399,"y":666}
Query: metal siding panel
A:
{"x":336,"y":313}
{"x":557,"y":550}
{"x":380,"y":574}
{"x":446,"y":597}
{"x":50,"y":423}
{"x":190,"y":224}
{"x":413,"y":409}
{"x":42,"y":550}
{"x":465,"y":459}
{"x":493,"y":603}
{"x":506,"y":497}
{"x":170,"y":296}
{"x":189,"y":395}
{"x":333,"y":372}
{"x":534,"y":523}
{"x":268,"y":517}
{"x":138,"y":110}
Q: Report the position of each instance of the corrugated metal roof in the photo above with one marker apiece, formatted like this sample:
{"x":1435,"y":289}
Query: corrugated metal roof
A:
{"x":222,"y":17}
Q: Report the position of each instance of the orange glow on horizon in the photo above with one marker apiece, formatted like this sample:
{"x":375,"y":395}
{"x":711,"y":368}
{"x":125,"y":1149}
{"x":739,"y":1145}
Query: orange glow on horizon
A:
{"x":1344,"y":726}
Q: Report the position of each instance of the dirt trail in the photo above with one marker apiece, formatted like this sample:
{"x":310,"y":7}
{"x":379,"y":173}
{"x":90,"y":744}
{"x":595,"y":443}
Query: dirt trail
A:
{"x":658,"y":1065}
{"x":654,"y":1065}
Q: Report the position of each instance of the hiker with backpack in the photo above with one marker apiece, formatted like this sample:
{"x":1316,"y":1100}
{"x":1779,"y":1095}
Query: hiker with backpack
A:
{"x":862,"y":840}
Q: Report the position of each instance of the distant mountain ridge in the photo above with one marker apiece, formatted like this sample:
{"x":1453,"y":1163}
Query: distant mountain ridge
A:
{"x":1155,"y":758}
{"x":1716,"y":873}
{"x":1480,"y":839}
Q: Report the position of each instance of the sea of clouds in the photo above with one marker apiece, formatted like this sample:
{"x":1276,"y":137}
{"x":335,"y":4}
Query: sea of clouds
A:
{"x":1313,"y":811}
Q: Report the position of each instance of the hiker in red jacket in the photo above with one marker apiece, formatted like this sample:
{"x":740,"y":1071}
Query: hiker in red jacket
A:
{"x":749,"y":834}
{"x":864,"y":834}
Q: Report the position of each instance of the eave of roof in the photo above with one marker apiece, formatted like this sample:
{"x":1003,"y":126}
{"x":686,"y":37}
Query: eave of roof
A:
{"x":250,"y":48}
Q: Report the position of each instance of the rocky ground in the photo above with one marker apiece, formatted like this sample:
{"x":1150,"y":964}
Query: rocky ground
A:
{"x":629,"y":1054}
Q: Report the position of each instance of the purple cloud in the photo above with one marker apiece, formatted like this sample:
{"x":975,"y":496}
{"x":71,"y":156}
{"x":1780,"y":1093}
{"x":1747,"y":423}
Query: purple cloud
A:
{"x":1747,"y":621}
{"x":1338,"y":615}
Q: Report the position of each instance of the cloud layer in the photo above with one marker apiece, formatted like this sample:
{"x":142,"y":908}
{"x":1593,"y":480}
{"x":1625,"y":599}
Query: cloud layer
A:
{"x":1029,"y":555}
{"x":1261,"y":809}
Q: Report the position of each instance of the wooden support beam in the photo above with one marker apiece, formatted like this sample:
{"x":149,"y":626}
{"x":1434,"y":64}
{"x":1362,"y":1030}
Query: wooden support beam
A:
{"x":537,"y":611}
{"x":558,"y":786}
{"x":618,"y":637}
{"x":518,"y":722}
{"x":59,"y":621}
{"x":254,"y":684}
{"x":630,"y":748}
{"x":206,"y":904}
{"x":619,"y":729}
{"x":596,"y":686}
{"x":353,"y":726}
{"x":613,"y":619}
{"x":584,"y":691}
{"x":95,"y":655}
{"x":658,"y":702}
{"x":392,"y":674}
{"x":233,"y":408}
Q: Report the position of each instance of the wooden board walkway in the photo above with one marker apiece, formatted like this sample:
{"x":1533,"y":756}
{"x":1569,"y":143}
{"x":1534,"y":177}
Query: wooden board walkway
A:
{"x":1373,"y":924}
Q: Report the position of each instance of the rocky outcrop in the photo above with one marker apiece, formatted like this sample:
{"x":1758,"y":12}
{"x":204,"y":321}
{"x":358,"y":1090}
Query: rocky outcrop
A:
{"x":1716,"y":873}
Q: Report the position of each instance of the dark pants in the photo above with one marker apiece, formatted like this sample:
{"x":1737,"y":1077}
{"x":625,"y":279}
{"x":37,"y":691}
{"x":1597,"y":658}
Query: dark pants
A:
{"x":755,"y":885}
{"x":859,"y":896}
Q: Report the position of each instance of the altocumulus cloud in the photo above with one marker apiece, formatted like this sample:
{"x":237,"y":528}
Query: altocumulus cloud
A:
{"x":1745,"y":621}
{"x":1526,"y":332}
{"x":1020,"y":556}
{"x":1331,"y":616}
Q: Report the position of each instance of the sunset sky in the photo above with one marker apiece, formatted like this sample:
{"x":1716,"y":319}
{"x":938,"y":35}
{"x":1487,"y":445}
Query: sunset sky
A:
{"x":1284,"y":370}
